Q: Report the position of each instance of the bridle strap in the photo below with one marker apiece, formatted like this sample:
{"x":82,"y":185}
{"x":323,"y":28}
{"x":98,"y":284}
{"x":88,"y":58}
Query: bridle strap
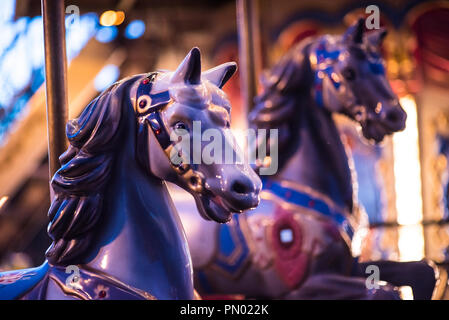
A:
{"x":147,"y":110}
{"x":323,"y":68}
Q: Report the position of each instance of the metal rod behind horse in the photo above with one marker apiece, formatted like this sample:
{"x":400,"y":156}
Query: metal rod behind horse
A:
{"x":53,"y":13}
{"x":249,"y":49}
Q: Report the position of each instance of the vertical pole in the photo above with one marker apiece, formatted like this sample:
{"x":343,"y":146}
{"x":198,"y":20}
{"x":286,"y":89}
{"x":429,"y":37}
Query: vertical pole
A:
{"x":53,"y":13}
{"x":248,"y":27}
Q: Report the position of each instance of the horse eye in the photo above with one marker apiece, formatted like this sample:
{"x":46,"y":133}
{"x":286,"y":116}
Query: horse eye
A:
{"x":180,"y":126}
{"x":348,"y":73}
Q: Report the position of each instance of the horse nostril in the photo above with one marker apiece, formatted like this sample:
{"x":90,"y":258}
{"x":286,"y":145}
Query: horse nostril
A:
{"x":239,"y":187}
{"x":393,"y":116}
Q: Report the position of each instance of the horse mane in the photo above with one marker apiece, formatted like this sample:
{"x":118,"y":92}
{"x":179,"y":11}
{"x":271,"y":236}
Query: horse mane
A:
{"x":279,"y":105}
{"x":79,"y":185}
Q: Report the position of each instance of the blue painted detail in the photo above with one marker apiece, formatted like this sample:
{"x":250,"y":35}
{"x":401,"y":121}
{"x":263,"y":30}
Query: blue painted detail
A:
{"x":161,"y":98}
{"x":14,"y":284}
{"x":377,"y":68}
{"x":303,"y":199}
{"x":325,"y":69}
{"x":204,"y":283}
{"x":233,"y":249}
{"x":157,"y":99}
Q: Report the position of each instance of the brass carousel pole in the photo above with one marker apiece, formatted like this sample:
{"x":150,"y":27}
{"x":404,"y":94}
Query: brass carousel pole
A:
{"x":248,"y":26}
{"x":53,"y":13}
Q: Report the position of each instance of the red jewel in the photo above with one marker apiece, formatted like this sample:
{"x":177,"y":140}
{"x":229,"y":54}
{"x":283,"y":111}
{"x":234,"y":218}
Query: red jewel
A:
{"x":102,"y":294}
{"x":142,"y":103}
{"x":158,"y":131}
{"x":145,"y":81}
{"x":311,"y":203}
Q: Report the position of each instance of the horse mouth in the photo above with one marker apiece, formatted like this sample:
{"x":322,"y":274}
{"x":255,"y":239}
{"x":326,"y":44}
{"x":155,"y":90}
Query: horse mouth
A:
{"x":374,"y":132}
{"x":219,"y":204}
{"x":378,"y":126}
{"x":213,"y":208}
{"x":216,"y":208}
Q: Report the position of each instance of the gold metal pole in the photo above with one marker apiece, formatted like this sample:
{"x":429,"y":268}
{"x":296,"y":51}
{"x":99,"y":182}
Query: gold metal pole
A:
{"x":248,"y":27}
{"x":53,"y":13}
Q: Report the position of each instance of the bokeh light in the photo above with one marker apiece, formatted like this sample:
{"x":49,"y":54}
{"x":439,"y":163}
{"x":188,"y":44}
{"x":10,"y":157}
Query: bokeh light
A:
{"x":135,"y":29}
{"x":107,"y":76}
{"x":112,"y":18}
{"x":106,"y":34}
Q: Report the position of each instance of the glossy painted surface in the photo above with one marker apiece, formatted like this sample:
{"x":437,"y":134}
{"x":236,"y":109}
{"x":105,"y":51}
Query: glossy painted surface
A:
{"x":112,"y":217}
{"x":300,"y":235}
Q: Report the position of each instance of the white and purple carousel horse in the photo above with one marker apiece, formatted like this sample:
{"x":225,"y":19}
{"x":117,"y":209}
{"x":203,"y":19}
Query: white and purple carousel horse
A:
{"x":112,"y":219}
{"x":297,"y":243}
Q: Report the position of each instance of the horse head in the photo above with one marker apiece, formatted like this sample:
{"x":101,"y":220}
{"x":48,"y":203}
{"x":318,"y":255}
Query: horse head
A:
{"x":191,"y":104}
{"x":137,"y":123}
{"x":350,"y":78}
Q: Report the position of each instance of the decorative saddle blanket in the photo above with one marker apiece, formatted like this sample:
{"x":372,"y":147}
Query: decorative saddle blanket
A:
{"x":313,"y":201}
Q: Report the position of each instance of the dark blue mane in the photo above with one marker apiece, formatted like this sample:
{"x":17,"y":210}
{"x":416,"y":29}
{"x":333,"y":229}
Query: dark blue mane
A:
{"x":86,"y":168}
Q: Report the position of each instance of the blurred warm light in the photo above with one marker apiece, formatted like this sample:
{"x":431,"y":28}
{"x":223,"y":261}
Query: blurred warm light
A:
{"x":411,"y":242}
{"x":3,"y":201}
{"x":407,"y":172}
{"x":119,"y":17}
{"x":406,"y":293}
{"x":112,"y":18}
{"x":407,"y":168}
{"x":107,"y":18}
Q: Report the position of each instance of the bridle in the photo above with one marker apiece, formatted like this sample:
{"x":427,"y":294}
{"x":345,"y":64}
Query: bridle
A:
{"x":147,"y":109}
{"x":322,"y":64}
{"x":322,"y":61}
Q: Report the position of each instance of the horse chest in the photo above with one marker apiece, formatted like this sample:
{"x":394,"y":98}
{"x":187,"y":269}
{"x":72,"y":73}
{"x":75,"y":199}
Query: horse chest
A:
{"x":282,"y":243}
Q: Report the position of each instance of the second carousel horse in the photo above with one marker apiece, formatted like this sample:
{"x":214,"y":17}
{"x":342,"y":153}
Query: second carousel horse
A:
{"x":297,"y":243}
{"x":115,"y":231}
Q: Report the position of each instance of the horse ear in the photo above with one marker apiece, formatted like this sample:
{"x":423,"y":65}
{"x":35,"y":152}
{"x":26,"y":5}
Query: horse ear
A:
{"x":189,"y":70}
{"x":355,"y":32}
{"x":220,"y":74}
{"x":376,"y":37}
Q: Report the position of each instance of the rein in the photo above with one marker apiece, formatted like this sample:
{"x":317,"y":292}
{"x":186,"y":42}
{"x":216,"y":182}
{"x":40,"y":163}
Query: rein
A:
{"x":148,"y":107}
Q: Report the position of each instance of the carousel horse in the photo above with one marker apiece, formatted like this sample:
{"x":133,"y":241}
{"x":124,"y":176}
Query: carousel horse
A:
{"x":115,"y":231}
{"x":297,"y":243}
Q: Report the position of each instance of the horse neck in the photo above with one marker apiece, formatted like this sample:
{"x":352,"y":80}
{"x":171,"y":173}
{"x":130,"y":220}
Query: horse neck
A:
{"x":141,"y":241}
{"x":320,"y":161}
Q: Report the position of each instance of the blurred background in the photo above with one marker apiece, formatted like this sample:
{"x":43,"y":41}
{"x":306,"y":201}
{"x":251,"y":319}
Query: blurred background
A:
{"x":403,"y":183}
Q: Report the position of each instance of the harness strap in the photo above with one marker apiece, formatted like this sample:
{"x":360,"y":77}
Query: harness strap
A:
{"x":148,"y":108}
{"x":323,"y":60}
